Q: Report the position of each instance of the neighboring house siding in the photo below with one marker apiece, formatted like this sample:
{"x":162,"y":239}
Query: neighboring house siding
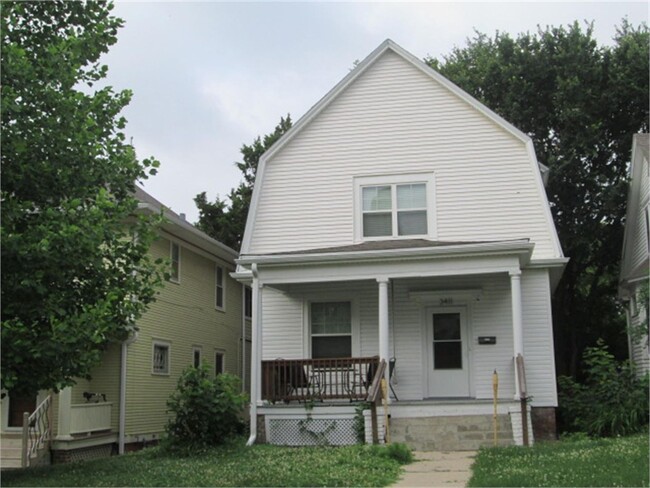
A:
{"x":639,"y":232}
{"x":184,"y":316}
{"x":639,"y":347}
{"x":285,"y":322}
{"x":394,"y":119}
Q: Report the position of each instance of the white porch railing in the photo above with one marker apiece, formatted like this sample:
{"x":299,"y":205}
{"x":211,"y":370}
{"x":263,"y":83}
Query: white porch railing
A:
{"x":90,"y":417}
{"x":37,"y":429}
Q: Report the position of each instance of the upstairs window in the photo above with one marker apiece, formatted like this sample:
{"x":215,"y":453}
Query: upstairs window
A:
{"x":248,"y":302}
{"x":175,"y":259}
{"x":395,"y":206}
{"x":160,"y":358}
{"x":220,"y":288}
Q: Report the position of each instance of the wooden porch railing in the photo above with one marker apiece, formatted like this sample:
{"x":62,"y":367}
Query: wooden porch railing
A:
{"x":287,"y":380}
{"x":37,"y":430}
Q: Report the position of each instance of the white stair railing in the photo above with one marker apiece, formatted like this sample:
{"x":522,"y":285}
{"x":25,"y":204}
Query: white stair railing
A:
{"x":37,"y":429}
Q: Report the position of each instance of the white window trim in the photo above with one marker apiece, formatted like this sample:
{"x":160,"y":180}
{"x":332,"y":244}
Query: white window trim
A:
{"x":168,"y":345}
{"x":356,"y":327}
{"x":218,"y":267}
{"x":198,"y":349}
{"x":171,"y":259}
{"x":223,"y":361}
{"x":393,"y":180}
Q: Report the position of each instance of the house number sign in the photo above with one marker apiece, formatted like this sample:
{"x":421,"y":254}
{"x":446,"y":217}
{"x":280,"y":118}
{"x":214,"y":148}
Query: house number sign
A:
{"x":446,"y":301}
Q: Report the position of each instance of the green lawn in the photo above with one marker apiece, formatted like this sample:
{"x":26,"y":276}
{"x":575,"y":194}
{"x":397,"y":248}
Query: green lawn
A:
{"x":233,"y":465}
{"x":589,"y":462}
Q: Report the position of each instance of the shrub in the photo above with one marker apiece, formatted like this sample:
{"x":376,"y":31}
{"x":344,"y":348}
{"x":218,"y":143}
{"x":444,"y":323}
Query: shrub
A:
{"x":206,"y":411}
{"x":400,"y":453}
{"x":612,"y":400}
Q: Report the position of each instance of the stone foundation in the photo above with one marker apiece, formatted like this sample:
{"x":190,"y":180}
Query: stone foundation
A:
{"x":451,"y":433}
{"x":544,"y":426}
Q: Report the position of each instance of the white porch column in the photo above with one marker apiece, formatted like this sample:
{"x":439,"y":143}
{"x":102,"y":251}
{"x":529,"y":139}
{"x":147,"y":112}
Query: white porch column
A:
{"x":383,"y":321}
{"x":256,"y":366}
{"x":517,"y":322}
{"x":65,"y":410}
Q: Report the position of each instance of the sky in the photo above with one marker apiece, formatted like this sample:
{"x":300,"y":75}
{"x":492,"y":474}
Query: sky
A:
{"x":208,"y":77}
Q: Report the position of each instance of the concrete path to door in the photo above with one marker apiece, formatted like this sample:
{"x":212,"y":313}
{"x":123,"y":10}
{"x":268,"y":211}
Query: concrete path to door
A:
{"x":438,"y":468}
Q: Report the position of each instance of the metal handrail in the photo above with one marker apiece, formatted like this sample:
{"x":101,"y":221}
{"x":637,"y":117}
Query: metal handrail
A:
{"x":37,"y":429}
{"x":523,"y":396}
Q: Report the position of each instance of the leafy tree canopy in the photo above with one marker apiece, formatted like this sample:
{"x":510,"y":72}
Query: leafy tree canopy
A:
{"x":74,"y":275}
{"x":224,"y":222}
{"x":581,"y":104}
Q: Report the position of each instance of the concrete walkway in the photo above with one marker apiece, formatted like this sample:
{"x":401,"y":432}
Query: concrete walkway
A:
{"x":438,"y":468}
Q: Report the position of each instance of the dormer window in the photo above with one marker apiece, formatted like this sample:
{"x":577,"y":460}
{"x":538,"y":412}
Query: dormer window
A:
{"x":395,"y":209}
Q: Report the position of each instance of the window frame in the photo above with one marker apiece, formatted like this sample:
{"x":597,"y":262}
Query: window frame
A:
{"x":394,"y":180}
{"x":161,"y":343}
{"x":219,"y":353}
{"x":173,"y":279}
{"x":196,"y":349}
{"x":326,"y":298}
{"x":217,"y":287}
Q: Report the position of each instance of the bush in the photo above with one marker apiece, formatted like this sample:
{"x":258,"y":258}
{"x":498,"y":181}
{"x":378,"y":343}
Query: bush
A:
{"x":612,"y":401}
{"x":398,"y":452}
{"x":206,"y":411}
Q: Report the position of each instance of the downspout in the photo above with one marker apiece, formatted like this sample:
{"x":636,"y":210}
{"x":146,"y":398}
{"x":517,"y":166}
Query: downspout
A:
{"x":254,"y":362}
{"x":243,"y":337}
{"x":132,"y":338}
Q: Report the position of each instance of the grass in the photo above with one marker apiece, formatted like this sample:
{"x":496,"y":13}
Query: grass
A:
{"x":230,"y":465}
{"x":619,"y":461}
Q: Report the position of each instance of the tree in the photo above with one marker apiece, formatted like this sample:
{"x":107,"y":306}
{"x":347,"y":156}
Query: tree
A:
{"x":581,"y":104}
{"x":227,"y":223}
{"x":75,"y":268}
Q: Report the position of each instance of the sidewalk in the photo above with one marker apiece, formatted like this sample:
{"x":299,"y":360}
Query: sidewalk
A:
{"x":438,"y":468}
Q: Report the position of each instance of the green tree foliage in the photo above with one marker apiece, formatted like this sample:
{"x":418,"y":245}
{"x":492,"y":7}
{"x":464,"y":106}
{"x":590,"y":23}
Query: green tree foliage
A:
{"x":74,"y":277}
{"x":205,"y":411}
{"x":581,"y":104}
{"x":612,"y":401}
{"x":224,"y":222}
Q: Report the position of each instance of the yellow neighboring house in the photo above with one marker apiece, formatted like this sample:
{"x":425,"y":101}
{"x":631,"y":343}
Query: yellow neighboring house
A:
{"x":200,"y":316}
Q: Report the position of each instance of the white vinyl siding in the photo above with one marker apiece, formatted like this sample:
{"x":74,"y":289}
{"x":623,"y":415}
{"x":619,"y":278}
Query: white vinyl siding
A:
{"x":395,"y":119}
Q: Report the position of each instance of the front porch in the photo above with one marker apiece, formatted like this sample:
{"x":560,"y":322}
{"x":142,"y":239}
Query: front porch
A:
{"x":447,"y":316}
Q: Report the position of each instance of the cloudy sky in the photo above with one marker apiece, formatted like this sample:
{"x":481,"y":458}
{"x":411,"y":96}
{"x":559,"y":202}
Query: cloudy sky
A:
{"x":208,"y":77}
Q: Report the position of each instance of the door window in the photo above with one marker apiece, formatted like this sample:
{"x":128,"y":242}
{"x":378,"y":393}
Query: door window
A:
{"x":447,"y":341}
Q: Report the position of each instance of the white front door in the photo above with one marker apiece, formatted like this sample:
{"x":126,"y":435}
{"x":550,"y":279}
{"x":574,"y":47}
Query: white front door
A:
{"x":447,"y":351}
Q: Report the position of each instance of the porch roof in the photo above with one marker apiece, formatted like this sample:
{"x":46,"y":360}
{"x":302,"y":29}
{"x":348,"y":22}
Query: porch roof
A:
{"x":385,"y":249}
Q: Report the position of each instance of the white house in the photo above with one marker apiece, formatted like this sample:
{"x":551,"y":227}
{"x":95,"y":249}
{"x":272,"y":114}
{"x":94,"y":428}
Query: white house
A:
{"x":400,"y":218}
{"x":636,"y":250}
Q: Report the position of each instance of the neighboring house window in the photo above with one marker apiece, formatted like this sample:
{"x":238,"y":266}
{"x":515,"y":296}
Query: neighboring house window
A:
{"x":160,"y":359}
{"x":248,"y":302}
{"x":196,"y":356}
{"x":219,"y":362}
{"x":220,"y":295}
{"x":175,"y":258}
{"x":331,"y":329}
{"x":394,"y":206}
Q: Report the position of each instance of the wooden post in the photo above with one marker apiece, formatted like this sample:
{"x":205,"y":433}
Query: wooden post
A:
{"x":25,"y":445}
{"x":384,"y":396}
{"x":373,"y":419}
{"x":521,"y":377}
{"x":495,"y":389}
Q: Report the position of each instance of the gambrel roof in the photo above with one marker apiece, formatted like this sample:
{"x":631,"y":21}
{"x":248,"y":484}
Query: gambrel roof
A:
{"x":390,"y":46}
